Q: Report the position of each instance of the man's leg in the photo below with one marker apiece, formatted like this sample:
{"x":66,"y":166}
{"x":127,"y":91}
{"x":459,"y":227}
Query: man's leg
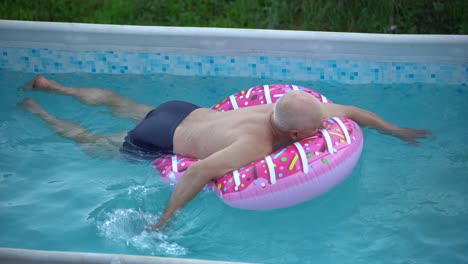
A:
{"x":120,"y":106}
{"x":92,"y":144}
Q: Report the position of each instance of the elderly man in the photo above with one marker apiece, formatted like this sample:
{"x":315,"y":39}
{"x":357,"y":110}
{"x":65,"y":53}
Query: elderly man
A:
{"x":179,"y":127}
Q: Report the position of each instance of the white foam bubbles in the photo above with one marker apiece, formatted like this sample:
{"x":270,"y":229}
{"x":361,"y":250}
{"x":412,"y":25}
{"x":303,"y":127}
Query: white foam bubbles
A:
{"x":127,"y":226}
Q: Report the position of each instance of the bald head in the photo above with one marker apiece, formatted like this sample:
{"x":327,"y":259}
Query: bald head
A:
{"x":297,"y":110}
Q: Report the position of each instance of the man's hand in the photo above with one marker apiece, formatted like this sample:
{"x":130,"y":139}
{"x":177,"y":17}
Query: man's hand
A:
{"x":410,"y":135}
{"x":159,"y":225}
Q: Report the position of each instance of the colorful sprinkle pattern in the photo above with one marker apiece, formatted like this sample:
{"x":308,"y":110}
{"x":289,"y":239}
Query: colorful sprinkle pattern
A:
{"x":287,"y":161}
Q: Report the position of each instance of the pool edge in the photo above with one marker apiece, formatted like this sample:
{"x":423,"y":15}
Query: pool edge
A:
{"x":232,"y":41}
{"x":26,"y":256}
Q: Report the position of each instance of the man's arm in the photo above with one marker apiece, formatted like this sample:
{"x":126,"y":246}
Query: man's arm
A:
{"x":371,"y":120}
{"x":238,"y":154}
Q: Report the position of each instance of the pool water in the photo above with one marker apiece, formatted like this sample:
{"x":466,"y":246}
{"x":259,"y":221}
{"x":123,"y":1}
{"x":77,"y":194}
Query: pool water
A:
{"x":402,"y":204}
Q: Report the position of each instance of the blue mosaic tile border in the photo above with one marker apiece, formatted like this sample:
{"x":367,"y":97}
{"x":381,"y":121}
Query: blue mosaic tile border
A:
{"x":342,"y":71}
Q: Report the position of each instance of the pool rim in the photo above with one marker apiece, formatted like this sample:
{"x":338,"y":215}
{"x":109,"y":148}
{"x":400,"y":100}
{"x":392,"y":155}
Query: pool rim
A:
{"x":25,"y":256}
{"x":231,"y":41}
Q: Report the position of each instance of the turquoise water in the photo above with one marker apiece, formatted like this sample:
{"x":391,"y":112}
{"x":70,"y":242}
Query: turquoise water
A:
{"x":402,"y":204}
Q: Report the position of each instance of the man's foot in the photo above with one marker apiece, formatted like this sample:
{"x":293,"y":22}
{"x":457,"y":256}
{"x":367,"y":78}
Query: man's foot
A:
{"x":41,"y":83}
{"x":30,"y":105}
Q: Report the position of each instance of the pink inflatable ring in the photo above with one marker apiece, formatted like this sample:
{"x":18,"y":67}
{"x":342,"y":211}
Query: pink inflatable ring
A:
{"x":294,"y":174}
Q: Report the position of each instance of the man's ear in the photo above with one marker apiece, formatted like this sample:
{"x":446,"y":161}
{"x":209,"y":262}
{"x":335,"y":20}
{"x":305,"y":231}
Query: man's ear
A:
{"x":294,"y":134}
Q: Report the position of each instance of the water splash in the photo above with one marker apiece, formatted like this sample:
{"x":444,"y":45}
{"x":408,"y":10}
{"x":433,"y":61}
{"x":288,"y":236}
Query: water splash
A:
{"x":127,"y":226}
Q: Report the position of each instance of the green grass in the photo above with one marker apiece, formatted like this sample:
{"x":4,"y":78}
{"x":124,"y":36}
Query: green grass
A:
{"x":371,"y":16}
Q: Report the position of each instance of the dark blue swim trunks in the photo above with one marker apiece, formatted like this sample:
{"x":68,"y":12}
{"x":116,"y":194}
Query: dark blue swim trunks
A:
{"x":154,"y":135}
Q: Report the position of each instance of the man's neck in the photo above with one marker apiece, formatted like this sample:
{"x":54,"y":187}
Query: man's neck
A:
{"x":280,"y":138}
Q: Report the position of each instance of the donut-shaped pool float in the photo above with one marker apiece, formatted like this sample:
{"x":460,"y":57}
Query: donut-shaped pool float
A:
{"x":291,"y":175}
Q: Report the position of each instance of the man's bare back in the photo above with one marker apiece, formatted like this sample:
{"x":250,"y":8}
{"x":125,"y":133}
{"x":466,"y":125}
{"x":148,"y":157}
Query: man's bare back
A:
{"x":205,"y":131}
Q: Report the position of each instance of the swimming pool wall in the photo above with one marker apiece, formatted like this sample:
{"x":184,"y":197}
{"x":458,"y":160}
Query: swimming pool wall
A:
{"x":350,"y":58}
